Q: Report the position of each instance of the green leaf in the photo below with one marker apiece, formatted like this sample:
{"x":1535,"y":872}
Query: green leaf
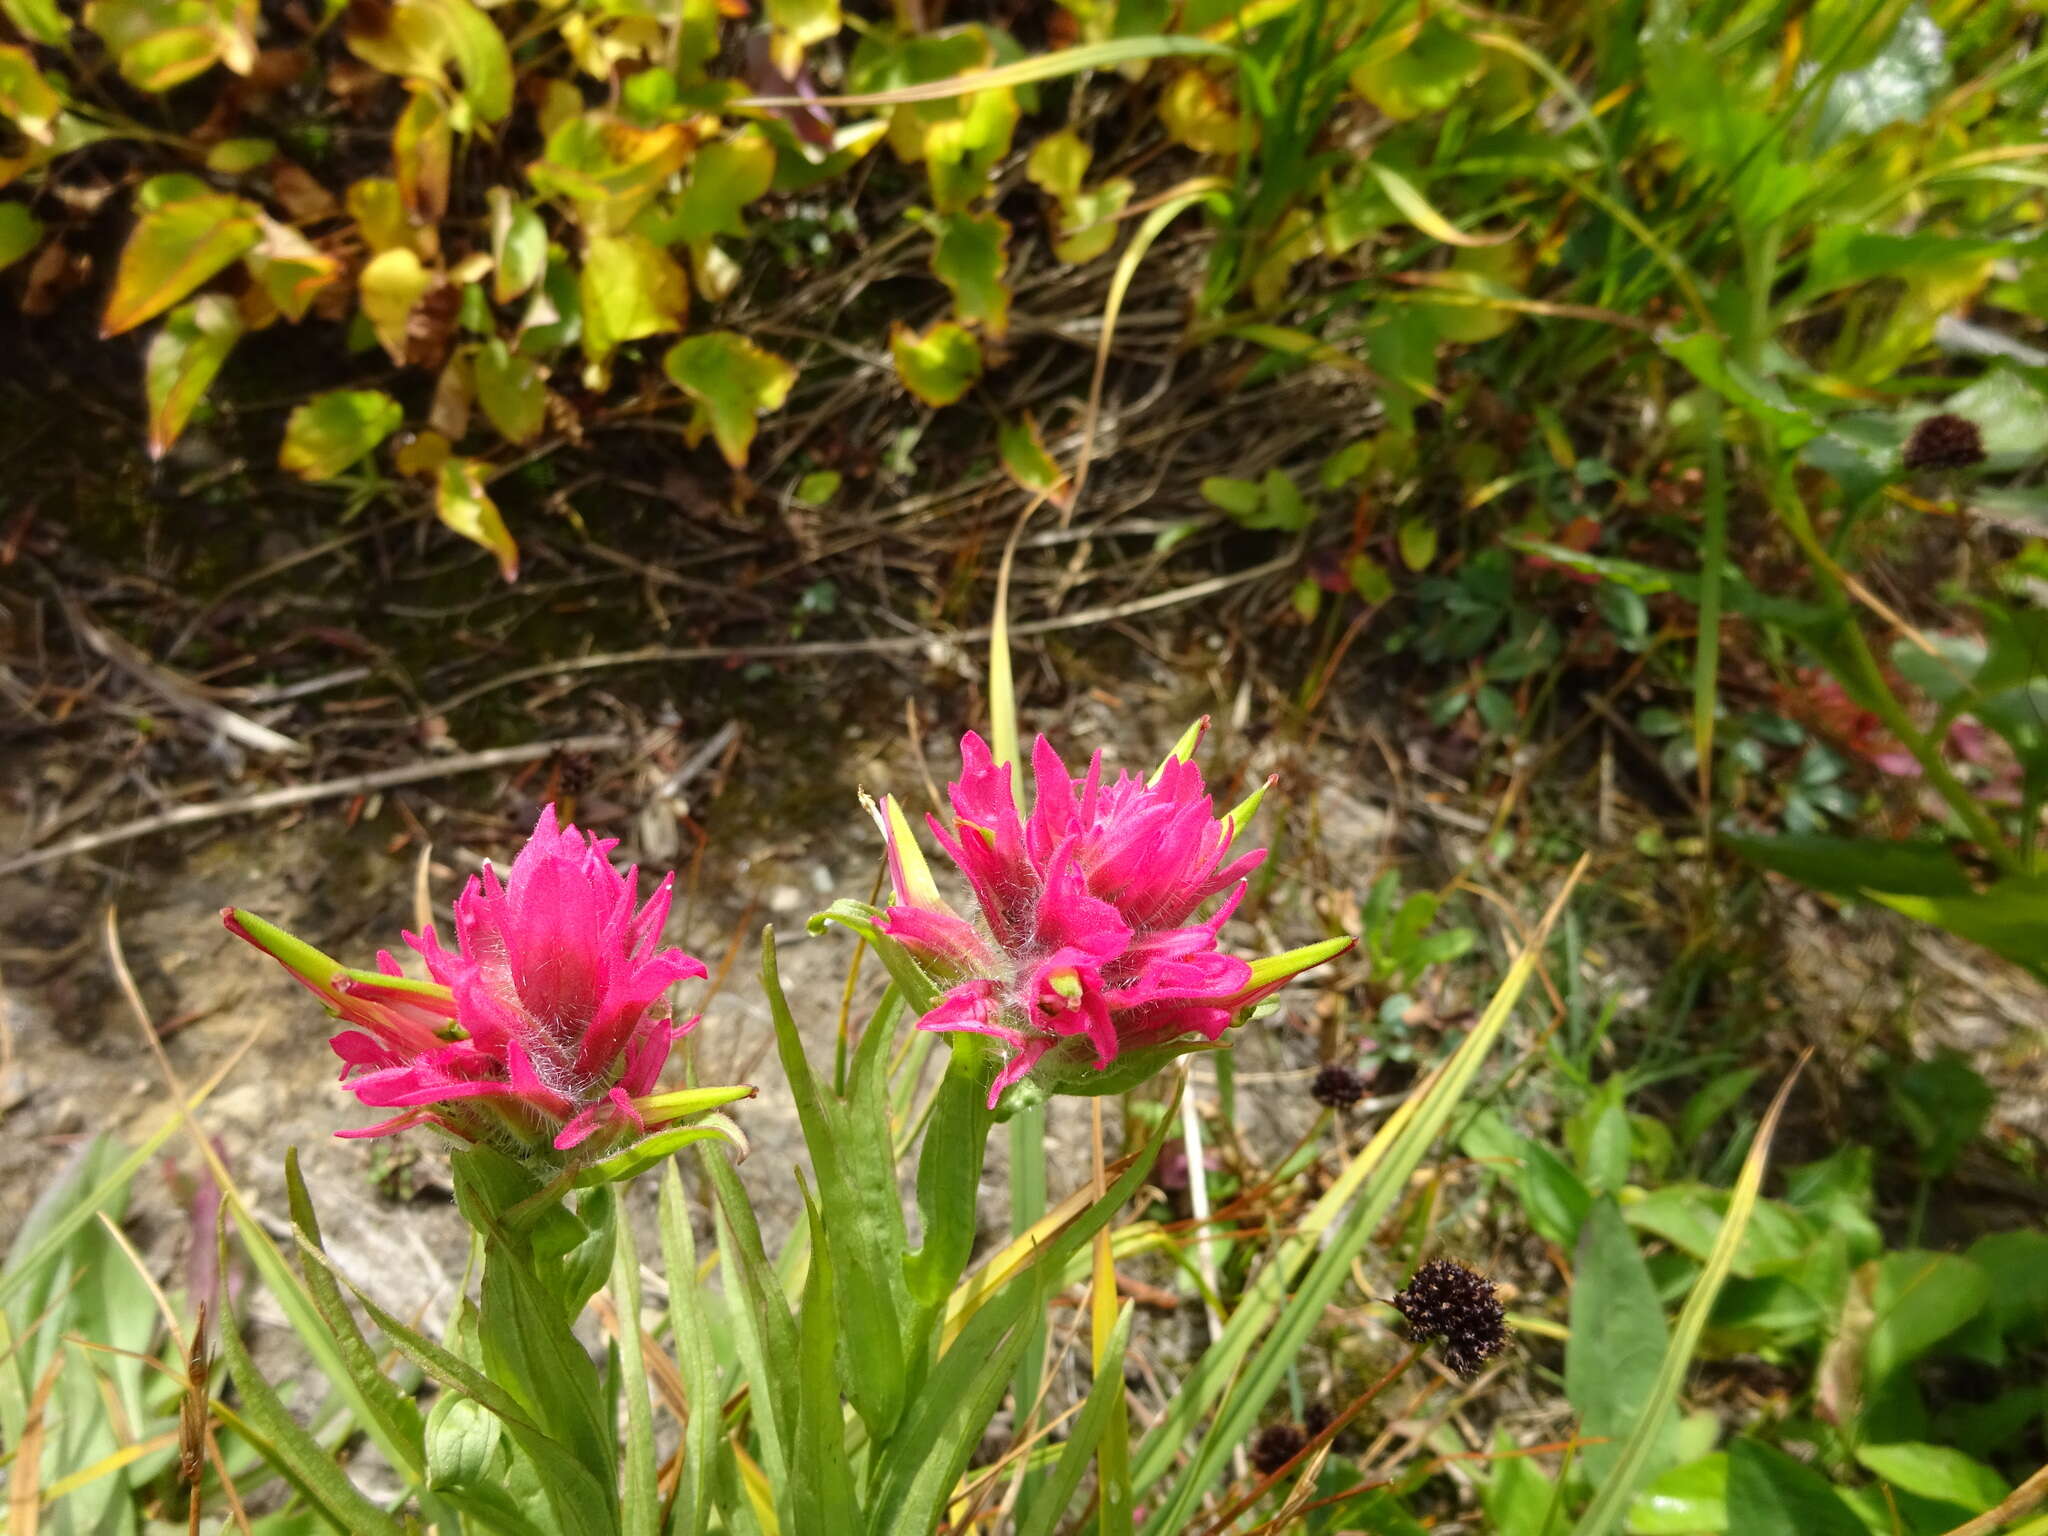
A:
{"x":511,"y":390}
{"x":1418,"y":543}
{"x":26,"y":97}
{"x":609,"y":169}
{"x":1919,"y":1299}
{"x":395,"y":1416}
{"x":462,"y":504}
{"x":419,"y":38}
{"x":690,"y":1332}
{"x":175,"y":247}
{"x":1550,"y":1194}
{"x":1418,"y":69}
{"x":39,"y":20}
{"x":630,"y":289}
{"x":970,"y":255}
{"x":1770,"y":1494}
{"x":1420,"y":212}
{"x":519,"y":245}
{"x":819,"y":1496}
{"x":1856,"y":866}
{"x":182,"y":361}
{"x":1936,"y":1472}
{"x":286,"y":1445}
{"x":724,"y":177}
{"x":938,"y":365}
{"x":640,"y":1505}
{"x":20,"y":233}
{"x":1618,"y":1338}
{"x":763,"y":1334}
{"x":1240,"y":498}
{"x":733,"y":382}
{"x":1026,"y":461}
{"x":1685,"y":1500}
{"x":329,"y":433}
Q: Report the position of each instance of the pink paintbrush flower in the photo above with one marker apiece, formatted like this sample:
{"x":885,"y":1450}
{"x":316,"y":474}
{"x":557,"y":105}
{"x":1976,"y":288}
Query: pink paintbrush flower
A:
{"x":1089,"y":949}
{"x":544,"y":1025}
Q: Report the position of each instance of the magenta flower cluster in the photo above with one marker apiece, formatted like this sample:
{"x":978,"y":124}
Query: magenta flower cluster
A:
{"x":1089,"y":945}
{"x":545,"y":1025}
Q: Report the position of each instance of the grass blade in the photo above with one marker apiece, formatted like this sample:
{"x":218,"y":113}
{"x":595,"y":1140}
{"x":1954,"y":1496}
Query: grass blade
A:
{"x":640,"y":1510}
{"x":1274,"y":1320}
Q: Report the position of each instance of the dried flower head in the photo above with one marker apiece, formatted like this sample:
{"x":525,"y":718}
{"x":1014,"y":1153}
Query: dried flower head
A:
{"x":542,"y":1030}
{"x":1336,"y":1086}
{"x":1944,"y":442}
{"x":1317,"y":1417}
{"x":1456,"y":1305}
{"x":1089,"y":952}
{"x":1275,"y":1446}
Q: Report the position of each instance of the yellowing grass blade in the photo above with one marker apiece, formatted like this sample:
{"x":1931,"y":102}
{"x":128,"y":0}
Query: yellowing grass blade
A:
{"x":1612,"y":1501}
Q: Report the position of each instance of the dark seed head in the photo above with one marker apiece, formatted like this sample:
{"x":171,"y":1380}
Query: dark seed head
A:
{"x":1944,"y":442}
{"x":1448,"y":1302}
{"x":1337,"y":1087}
{"x":1275,"y":1446}
{"x":1316,"y":1417}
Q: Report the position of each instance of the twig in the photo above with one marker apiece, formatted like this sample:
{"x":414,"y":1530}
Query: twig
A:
{"x":302,"y":794}
{"x":876,"y":646}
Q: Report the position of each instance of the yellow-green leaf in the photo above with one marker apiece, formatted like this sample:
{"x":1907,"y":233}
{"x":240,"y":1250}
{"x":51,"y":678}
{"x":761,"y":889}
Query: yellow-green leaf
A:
{"x":238,"y":157}
{"x":1418,"y":543}
{"x":176,"y":246}
{"x":1087,"y":222}
{"x":418,"y":38}
{"x":25,"y":96}
{"x":326,"y":435}
{"x":938,"y":365}
{"x":1058,"y":163}
{"x":389,"y":287}
{"x":609,"y":169}
{"x":465,"y":506}
{"x":167,"y":59}
{"x":290,"y":268}
{"x":39,"y":20}
{"x":724,"y":178}
{"x":803,"y":22}
{"x":1198,"y":110}
{"x":511,"y":390}
{"x":963,"y":146}
{"x":519,"y":245}
{"x":423,"y":152}
{"x":20,"y":233}
{"x":1419,"y":68}
{"x":630,"y":288}
{"x":182,"y":361}
{"x":1023,"y":453}
{"x":379,"y":211}
{"x":732,"y":382}
{"x":970,"y":255}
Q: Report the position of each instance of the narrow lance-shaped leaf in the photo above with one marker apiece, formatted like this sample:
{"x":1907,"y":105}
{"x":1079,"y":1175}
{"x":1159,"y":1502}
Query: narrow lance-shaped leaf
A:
{"x":176,"y":246}
{"x":462,"y":503}
{"x":182,"y":362}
